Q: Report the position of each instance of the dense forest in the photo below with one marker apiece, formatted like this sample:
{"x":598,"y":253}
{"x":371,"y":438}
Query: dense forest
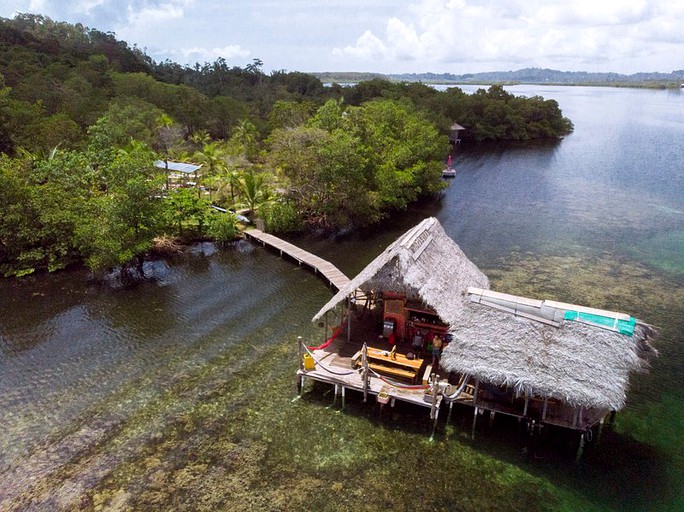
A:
{"x":84,"y":116}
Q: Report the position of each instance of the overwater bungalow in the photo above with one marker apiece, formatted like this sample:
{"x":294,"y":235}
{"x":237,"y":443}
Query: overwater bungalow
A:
{"x":543,"y":361}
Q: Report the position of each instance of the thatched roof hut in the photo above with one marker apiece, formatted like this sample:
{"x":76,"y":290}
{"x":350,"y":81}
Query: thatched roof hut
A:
{"x":547,"y":349}
{"x":424,"y":263}
{"x":580,"y":356}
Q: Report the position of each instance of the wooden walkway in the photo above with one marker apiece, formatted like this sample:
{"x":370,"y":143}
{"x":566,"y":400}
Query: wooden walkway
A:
{"x":319,"y":265}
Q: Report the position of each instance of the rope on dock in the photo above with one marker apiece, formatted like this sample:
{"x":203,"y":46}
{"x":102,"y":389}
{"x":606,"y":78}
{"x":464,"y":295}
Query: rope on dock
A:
{"x":323,"y":367}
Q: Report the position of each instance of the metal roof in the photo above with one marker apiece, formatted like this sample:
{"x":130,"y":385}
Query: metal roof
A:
{"x":177,"y":166}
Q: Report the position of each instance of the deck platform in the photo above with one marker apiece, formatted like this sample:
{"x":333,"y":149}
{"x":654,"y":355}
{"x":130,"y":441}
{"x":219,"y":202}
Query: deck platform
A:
{"x":329,"y":271}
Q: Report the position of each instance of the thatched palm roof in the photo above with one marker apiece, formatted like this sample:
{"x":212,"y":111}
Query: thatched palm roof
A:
{"x":424,"y":263}
{"x":504,"y":339}
{"x":580,"y":364}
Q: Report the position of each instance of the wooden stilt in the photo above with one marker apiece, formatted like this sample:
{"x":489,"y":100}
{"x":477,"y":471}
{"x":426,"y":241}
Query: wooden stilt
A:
{"x":343,"y":390}
{"x":580,"y":449}
{"x":491,"y":417}
{"x":434,"y":412}
{"x":451,"y":406}
{"x":600,"y":429}
{"x":364,"y":362}
{"x":472,"y":434}
{"x":435,"y":390}
{"x":300,"y":348}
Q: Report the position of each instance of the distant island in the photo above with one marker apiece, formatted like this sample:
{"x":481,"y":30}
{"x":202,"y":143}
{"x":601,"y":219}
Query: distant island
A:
{"x":521,"y":76}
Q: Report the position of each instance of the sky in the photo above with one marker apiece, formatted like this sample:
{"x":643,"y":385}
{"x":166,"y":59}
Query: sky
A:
{"x":390,"y":36}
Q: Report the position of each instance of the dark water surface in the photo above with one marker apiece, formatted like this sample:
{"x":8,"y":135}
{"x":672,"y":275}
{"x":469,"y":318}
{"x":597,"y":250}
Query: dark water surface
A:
{"x":179,"y":394}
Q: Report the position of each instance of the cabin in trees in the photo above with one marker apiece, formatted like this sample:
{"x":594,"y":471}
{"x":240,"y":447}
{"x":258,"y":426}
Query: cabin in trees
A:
{"x":179,"y":174}
{"x":543,"y":361}
{"x":455,"y":134}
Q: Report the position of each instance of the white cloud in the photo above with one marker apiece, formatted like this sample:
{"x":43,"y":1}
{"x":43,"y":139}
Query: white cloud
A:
{"x":86,"y":6}
{"x":198,"y":54}
{"x":368,"y":46}
{"x":150,"y":17}
{"x":525,"y":32}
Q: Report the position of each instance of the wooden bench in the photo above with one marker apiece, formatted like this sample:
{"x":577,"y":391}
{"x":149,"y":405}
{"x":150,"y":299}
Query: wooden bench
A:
{"x":390,"y":370}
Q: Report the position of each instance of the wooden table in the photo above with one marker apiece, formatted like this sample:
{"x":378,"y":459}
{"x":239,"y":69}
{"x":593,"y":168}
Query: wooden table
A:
{"x":396,"y":365}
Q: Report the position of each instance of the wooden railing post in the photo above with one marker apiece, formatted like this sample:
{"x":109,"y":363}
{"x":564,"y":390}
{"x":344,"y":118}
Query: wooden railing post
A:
{"x":364,"y":362}
{"x":435,"y":390}
{"x":300,"y":349}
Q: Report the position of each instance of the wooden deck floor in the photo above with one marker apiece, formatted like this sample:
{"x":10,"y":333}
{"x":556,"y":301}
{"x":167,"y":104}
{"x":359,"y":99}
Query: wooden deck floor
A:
{"x":319,"y":265}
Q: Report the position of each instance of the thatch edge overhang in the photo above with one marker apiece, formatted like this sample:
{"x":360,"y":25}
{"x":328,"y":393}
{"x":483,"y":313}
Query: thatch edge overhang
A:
{"x":426,"y":263}
{"x":582,"y":365}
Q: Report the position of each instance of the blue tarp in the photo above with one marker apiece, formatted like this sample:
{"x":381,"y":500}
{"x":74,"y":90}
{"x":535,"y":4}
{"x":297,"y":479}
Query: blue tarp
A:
{"x":621,"y":326}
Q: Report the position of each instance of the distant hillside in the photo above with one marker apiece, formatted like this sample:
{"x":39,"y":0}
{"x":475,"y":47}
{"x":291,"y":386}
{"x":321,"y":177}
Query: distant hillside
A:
{"x":552,"y":76}
{"x":521,"y":76}
{"x":351,"y":76}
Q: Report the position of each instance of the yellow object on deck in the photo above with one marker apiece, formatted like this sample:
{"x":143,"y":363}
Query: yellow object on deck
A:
{"x":309,"y":363}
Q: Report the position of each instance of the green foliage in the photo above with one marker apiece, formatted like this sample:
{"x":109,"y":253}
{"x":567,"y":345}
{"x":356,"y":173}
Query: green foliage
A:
{"x":185,"y":208}
{"x":125,"y":119}
{"x":122,"y":221}
{"x":354,"y":166}
{"x":281,"y":217}
{"x":79,"y":111}
{"x":253,"y":190}
{"x":289,"y":114}
{"x":42,"y":205}
{"x":223,"y":227}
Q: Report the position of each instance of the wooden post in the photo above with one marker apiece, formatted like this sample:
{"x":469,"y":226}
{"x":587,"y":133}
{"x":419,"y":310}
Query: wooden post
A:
{"x":451,"y":406}
{"x":580,"y":449}
{"x":349,"y":323}
{"x":435,"y":389}
{"x":600,"y":429}
{"x":364,"y":363}
{"x":300,"y":348}
{"x":433,"y":409}
{"x":472,"y":434}
{"x":546,"y":404}
{"x":343,"y":388}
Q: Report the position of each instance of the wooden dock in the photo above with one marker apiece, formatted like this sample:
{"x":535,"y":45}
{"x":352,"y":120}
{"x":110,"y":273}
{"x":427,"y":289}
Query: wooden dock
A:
{"x":320,"y":266}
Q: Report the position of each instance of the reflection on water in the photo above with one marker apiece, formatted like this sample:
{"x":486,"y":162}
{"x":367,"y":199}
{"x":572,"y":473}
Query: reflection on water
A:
{"x":179,"y":393}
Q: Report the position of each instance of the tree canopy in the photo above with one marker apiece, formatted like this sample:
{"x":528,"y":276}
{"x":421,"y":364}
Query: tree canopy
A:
{"x":83,"y":116}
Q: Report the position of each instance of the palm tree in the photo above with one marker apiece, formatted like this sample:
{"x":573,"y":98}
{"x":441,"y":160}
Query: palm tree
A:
{"x":245,"y":135}
{"x":213,"y":157}
{"x":252,"y":188}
